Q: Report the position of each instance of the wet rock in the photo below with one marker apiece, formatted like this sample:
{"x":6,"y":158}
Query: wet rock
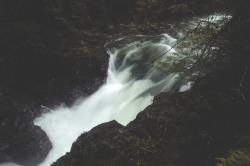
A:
{"x":21,"y":141}
{"x":27,"y":148}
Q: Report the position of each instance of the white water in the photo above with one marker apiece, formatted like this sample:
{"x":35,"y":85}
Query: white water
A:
{"x":9,"y":164}
{"x":130,"y":87}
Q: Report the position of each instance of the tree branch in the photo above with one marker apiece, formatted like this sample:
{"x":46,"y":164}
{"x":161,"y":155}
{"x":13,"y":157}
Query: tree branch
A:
{"x":176,"y":43}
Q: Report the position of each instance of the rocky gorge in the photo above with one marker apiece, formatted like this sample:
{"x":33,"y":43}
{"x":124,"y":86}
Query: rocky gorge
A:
{"x":48,"y":49}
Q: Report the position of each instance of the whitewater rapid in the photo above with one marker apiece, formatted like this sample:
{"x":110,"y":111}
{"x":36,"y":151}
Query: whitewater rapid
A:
{"x":137,"y":72}
{"x":131,"y":84}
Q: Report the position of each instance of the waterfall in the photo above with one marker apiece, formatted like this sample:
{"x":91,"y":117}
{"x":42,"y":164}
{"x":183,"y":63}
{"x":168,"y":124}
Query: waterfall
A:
{"x":137,"y":72}
{"x":131,"y":84}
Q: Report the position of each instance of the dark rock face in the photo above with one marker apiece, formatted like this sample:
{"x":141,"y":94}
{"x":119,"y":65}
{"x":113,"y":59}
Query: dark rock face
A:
{"x":42,"y":62}
{"x":21,"y":141}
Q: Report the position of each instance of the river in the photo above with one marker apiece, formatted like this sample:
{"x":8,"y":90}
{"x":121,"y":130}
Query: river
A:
{"x":140,"y":67}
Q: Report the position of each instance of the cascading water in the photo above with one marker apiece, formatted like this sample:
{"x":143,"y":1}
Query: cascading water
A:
{"x":132,"y":82}
{"x":130,"y":87}
{"x":9,"y":164}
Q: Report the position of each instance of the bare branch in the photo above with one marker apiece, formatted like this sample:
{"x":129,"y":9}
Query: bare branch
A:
{"x":176,"y":44}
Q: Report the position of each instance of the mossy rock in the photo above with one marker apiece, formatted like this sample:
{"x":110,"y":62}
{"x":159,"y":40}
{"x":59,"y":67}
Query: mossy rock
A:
{"x":235,"y":157}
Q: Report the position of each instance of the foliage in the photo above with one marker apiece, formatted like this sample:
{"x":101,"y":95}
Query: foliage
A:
{"x":197,"y":49}
{"x":235,"y":157}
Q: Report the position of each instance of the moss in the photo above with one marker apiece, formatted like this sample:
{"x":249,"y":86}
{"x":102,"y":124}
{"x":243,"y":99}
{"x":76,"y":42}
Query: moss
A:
{"x":111,"y":27}
{"x":235,"y":157}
